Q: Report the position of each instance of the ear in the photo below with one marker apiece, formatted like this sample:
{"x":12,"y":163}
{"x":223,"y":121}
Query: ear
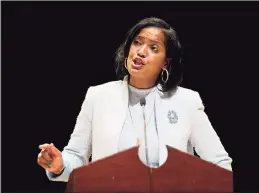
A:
{"x":166,"y":63}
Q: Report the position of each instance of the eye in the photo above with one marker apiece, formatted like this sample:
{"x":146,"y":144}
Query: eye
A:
{"x":136,"y":42}
{"x":154,"y":48}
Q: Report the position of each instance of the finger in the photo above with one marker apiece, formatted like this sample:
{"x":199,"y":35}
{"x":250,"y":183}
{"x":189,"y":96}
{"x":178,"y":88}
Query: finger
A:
{"x":43,"y":160}
{"x":46,"y":166}
{"x":46,"y":155}
{"x":47,"y":148}
{"x":44,"y":146}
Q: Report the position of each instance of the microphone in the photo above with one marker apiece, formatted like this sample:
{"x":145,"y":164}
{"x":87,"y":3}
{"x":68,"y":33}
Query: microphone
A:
{"x":143,"y":104}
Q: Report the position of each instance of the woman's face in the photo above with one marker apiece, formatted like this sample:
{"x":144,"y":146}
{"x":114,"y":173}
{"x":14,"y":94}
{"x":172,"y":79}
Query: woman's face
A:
{"x":147,"y":54}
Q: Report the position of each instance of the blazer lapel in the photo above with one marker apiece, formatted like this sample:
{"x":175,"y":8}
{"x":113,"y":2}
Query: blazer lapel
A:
{"x":159,"y":123}
{"x":110,"y":117}
{"x":162,"y":104}
{"x":120,"y":111}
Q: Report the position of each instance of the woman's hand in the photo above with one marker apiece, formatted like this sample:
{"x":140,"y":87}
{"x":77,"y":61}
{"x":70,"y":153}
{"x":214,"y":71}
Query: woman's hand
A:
{"x":50,"y":158}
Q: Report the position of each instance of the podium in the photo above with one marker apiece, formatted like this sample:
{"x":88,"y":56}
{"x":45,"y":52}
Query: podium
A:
{"x":124,"y":172}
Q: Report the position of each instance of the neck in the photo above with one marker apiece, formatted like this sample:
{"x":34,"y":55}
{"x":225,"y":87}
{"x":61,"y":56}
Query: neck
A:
{"x":141,"y":84}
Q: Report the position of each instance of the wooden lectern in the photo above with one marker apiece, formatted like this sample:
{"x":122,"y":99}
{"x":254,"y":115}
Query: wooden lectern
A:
{"x":125,"y":173}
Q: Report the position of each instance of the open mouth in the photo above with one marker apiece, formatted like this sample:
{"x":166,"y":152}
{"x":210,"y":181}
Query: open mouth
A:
{"x":138,"y":61}
{"x":137,"y":64}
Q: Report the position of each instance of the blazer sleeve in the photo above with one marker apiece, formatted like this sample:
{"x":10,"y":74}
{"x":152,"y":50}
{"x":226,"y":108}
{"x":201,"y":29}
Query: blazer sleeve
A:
{"x":205,"y":140}
{"x":79,"y":148}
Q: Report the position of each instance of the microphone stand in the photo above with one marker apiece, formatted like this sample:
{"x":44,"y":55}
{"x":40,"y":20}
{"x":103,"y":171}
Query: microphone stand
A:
{"x":143,"y":103}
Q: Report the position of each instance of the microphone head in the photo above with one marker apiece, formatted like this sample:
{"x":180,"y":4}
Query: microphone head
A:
{"x":143,"y":101}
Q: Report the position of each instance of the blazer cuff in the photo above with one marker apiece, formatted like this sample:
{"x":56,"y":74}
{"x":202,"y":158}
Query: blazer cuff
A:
{"x":63,"y":176}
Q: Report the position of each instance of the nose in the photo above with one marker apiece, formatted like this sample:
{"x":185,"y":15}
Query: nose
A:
{"x":142,"y":52}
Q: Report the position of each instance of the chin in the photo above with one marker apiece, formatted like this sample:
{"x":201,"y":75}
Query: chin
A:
{"x":137,"y":74}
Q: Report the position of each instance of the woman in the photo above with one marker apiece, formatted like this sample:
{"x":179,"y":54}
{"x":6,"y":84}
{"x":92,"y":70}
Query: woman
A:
{"x":112,"y":115}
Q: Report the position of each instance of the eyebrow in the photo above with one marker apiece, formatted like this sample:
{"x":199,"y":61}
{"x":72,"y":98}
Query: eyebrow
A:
{"x":142,"y":37}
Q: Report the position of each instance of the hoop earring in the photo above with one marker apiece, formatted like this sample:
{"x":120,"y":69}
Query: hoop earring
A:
{"x":125,"y":63}
{"x":167,"y":75}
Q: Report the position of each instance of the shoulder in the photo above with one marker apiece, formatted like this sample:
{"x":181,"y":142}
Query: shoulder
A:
{"x":103,"y":89}
{"x":108,"y":86}
{"x":181,"y":93}
{"x":187,"y":96}
{"x":186,"y":93}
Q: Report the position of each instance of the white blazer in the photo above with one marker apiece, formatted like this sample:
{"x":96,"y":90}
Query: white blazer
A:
{"x":103,"y":112}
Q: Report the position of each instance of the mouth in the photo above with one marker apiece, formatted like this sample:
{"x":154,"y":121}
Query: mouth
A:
{"x":138,"y":61}
{"x":137,"y":64}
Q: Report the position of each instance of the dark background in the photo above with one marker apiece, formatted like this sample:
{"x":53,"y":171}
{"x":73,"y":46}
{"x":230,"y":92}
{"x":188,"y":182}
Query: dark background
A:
{"x":52,"y":53}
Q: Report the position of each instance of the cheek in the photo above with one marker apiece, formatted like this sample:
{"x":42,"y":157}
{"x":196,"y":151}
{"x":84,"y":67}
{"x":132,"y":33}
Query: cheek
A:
{"x":132,"y":52}
{"x":156,"y":62}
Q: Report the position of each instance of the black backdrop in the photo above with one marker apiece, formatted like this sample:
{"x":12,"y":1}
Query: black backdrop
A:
{"x":52,"y":53}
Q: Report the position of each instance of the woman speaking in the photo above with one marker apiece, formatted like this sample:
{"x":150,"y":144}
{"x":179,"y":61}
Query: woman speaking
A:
{"x":145,"y":106}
